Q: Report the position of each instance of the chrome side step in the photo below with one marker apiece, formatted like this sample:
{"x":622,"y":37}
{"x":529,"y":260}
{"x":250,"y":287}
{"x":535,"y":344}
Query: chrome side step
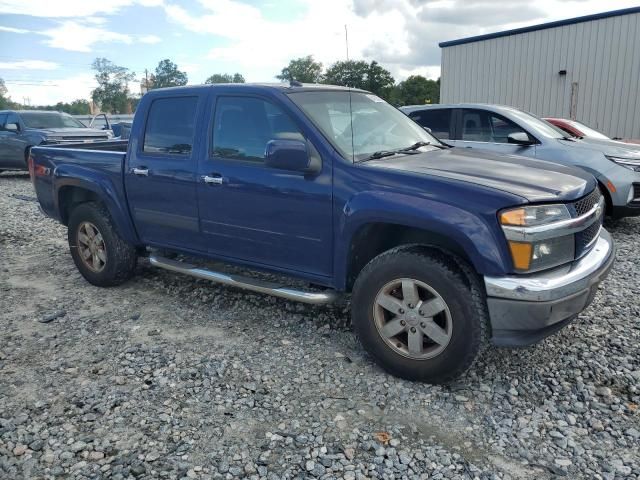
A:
{"x":253,"y":284}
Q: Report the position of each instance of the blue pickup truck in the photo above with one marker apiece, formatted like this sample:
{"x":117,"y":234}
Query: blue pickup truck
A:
{"x":443,"y":249}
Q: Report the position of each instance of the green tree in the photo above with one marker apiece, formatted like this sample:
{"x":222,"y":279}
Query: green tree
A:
{"x":225,"y":78}
{"x":168,"y":75}
{"x":418,"y":90}
{"x":360,"y":74}
{"x":5,"y":99}
{"x":112,"y":93}
{"x":304,"y":69}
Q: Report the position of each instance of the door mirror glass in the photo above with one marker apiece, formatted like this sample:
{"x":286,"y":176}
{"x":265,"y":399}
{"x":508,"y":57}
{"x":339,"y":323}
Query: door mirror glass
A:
{"x":519,"y":138}
{"x":292,"y":155}
{"x":12,"y":127}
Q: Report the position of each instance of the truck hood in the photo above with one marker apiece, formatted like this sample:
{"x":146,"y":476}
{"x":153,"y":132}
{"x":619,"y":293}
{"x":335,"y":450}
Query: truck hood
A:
{"x":71,"y":132}
{"x":533,"y":180}
{"x":608,"y":147}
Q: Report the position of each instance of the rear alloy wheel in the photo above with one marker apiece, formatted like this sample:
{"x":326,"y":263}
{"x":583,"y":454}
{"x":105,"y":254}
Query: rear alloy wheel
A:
{"x":413,"y":319}
{"x":101,"y":255}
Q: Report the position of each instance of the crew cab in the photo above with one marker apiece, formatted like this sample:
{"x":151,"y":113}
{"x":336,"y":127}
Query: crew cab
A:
{"x":442,"y":249}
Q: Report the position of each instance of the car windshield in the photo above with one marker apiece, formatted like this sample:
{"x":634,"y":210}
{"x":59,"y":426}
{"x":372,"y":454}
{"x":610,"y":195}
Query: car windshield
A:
{"x":587,"y":131}
{"x":49,"y":120}
{"x":360,"y":124}
{"x":537,"y":124}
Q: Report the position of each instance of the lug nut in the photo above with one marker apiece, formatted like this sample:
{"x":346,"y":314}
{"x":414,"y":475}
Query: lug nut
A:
{"x":421,"y":312}
{"x":413,"y":330}
{"x":401,"y":311}
{"x":423,"y":325}
{"x":403,"y":323}
{"x":410,"y":305}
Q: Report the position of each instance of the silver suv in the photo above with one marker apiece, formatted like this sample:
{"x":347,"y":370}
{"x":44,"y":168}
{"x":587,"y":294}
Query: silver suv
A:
{"x":508,"y":130}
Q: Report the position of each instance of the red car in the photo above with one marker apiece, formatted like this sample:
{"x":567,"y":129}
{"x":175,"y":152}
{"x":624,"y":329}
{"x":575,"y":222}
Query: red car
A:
{"x":577,"y":129}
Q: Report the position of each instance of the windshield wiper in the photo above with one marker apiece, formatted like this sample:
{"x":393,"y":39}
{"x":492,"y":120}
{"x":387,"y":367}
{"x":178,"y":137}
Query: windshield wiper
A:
{"x":377,"y":155}
{"x":414,"y":147}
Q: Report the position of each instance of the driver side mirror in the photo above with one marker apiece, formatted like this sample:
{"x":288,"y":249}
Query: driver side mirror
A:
{"x":12,"y":127}
{"x":292,"y":155}
{"x":519,"y":138}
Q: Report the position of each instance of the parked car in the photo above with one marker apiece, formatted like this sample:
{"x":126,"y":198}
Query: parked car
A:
{"x":580,"y":130}
{"x":442,"y":248}
{"x":509,"y":130}
{"x":22,"y":129}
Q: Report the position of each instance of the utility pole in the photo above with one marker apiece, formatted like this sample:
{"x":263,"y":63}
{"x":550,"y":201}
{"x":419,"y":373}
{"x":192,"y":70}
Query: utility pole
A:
{"x":346,"y":40}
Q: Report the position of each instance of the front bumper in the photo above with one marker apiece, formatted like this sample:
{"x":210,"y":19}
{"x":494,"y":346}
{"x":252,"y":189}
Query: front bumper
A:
{"x":524,"y":309}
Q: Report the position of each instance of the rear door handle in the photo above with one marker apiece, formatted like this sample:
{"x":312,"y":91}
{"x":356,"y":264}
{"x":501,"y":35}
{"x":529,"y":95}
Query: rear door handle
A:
{"x":213,"y":179}
{"x":142,"y":171}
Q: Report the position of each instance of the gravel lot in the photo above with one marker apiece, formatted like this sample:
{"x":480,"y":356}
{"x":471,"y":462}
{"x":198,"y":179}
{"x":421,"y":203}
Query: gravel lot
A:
{"x":171,"y":377}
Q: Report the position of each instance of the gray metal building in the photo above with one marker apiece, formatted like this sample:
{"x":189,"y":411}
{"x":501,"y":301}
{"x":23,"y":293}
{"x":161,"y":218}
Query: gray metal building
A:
{"x":585,"y":68}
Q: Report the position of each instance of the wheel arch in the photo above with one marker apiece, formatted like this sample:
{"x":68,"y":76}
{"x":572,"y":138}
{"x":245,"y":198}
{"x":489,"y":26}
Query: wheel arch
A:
{"x":70,"y":195}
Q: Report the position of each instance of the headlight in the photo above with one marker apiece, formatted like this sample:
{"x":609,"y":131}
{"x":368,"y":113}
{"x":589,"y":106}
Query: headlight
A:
{"x":531,"y":256}
{"x":630,"y":163}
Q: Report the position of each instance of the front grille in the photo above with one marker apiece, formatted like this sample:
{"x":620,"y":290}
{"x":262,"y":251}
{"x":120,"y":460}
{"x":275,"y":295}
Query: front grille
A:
{"x":636,"y":195}
{"x":585,"y":238}
{"x":585,"y":204}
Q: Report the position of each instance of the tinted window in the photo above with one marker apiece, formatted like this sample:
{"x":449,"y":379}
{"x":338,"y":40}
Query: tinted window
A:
{"x":3,"y":118}
{"x":243,"y":126}
{"x":439,"y":121}
{"x":483,"y":126}
{"x":170,"y":126}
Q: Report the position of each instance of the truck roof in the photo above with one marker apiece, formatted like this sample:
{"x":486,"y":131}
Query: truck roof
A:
{"x":300,"y":87}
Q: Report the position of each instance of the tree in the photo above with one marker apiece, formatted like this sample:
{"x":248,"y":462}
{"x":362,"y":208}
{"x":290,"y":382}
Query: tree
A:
{"x":168,"y":75}
{"x":5,"y":99}
{"x":112,"y":93}
{"x":360,"y":74}
{"x":225,"y":78}
{"x":304,"y":69}
{"x":418,"y":90}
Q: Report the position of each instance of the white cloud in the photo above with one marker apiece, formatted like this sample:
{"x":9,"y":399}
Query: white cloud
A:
{"x":71,"y":35}
{"x":403,"y":35}
{"x":74,"y":36}
{"x":13,"y":30}
{"x":29,"y":65}
{"x":50,"y":92}
{"x":150,"y":39}
{"x":61,"y":8}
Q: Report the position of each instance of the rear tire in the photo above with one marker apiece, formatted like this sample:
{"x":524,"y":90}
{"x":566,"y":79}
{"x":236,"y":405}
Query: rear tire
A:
{"x":434,"y":320}
{"x":103,"y":258}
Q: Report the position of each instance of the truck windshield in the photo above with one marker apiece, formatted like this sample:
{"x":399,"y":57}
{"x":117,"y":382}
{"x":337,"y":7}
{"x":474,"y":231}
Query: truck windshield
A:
{"x":49,"y":120}
{"x":360,"y":125}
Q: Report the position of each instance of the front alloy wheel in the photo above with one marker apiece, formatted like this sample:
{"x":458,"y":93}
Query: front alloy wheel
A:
{"x":413,"y":319}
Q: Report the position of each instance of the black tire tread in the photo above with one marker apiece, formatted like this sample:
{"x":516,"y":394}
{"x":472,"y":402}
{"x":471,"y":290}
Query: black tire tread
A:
{"x":457,"y":270}
{"x":125,"y":257}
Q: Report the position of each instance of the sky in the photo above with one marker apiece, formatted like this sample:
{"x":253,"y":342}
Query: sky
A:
{"x":47,"y":46}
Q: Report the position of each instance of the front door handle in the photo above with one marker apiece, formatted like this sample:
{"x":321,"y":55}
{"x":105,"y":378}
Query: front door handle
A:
{"x":212,"y":179}
{"x":142,"y":171}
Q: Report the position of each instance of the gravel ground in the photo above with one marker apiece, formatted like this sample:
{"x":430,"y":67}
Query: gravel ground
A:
{"x":171,"y":377}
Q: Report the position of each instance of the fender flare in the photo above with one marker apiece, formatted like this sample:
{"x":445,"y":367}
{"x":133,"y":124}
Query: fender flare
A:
{"x":482,"y":244}
{"x":78,"y":177}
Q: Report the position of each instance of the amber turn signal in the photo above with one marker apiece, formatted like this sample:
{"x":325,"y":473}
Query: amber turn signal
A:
{"x":513,"y":217}
{"x":521,"y":254}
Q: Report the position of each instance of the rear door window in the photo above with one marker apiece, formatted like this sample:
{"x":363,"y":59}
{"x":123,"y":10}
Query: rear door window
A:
{"x":171,"y":126}
{"x":438,"y":120}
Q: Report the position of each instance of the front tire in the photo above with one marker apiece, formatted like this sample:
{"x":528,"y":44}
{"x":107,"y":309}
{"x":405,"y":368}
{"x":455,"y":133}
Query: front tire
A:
{"x":103,"y":258}
{"x":419,"y":315}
